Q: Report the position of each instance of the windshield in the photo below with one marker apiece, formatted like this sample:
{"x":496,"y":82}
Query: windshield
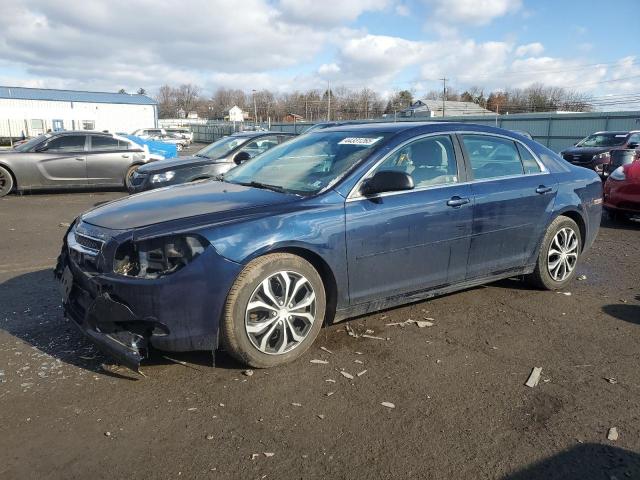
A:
{"x":604,"y":140}
{"x":221,"y":147}
{"x":25,"y":147}
{"x":309,"y":163}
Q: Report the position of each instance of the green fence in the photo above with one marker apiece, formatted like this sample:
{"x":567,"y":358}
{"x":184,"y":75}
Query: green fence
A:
{"x":554,"y":130}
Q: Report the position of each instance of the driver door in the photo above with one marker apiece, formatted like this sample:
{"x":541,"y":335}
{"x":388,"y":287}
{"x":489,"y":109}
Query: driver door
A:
{"x":63,"y":161}
{"x":407,"y":241}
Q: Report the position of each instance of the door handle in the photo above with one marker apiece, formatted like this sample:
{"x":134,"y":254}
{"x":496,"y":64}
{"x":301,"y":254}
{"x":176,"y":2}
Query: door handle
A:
{"x":542,"y":189}
{"x":125,"y":156}
{"x":80,"y":159}
{"x":457,"y":201}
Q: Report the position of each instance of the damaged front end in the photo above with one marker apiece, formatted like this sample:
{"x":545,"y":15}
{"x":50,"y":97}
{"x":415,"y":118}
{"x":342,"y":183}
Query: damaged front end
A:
{"x":127,"y":295}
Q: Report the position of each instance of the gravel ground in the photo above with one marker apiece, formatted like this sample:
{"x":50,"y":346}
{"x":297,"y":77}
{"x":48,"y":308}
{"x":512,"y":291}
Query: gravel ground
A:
{"x":461,"y":407}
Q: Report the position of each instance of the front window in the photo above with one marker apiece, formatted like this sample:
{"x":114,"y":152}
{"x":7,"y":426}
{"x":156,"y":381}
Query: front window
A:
{"x":430,"y":161}
{"x":604,"y":140}
{"x":66,"y":143}
{"x":259,"y":145}
{"x":221,"y":148}
{"x":309,"y":163}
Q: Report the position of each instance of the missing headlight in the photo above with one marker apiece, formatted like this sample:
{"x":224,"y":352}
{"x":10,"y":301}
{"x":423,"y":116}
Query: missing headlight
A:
{"x":158,"y":256}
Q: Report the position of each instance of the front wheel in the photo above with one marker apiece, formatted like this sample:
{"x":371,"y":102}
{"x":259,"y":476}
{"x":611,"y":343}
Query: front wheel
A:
{"x":128,"y":178}
{"x":558,"y":256}
{"x":274,"y":311}
{"x":6,"y":182}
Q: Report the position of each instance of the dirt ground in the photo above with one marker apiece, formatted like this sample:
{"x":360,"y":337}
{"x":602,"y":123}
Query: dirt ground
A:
{"x":462,"y":410}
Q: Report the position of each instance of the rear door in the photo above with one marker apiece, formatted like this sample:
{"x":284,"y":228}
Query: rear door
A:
{"x":108,"y":160}
{"x":514,"y":197}
{"x":62,"y":161}
{"x":408,"y":241}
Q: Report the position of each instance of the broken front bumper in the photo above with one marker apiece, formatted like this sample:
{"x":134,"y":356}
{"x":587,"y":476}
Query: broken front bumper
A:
{"x":126,"y":316}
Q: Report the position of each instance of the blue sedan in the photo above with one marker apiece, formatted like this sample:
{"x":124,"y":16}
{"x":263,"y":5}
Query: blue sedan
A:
{"x":336,"y":223}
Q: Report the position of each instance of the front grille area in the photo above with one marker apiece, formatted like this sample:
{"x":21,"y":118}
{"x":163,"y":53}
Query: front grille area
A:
{"x":577,"y":158}
{"x":88,"y":242}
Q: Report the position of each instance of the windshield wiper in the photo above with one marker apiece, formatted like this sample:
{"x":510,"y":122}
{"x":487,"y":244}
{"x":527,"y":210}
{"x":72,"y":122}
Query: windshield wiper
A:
{"x":264,"y":186}
{"x":201,"y":156}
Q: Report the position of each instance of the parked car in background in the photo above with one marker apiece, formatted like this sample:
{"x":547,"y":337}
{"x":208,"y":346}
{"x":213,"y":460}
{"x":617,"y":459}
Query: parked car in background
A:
{"x":73,"y":159}
{"x":213,"y":160}
{"x":326,"y":226}
{"x":149,"y":132}
{"x":594,"y":151}
{"x":622,"y":191}
{"x":181,"y":132}
{"x":171,"y":138}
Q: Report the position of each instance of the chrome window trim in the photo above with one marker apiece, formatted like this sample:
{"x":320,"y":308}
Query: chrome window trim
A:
{"x":355,"y":191}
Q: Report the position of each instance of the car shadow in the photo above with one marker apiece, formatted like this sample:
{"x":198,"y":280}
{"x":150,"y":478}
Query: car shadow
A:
{"x":588,"y":461}
{"x":30,"y":310}
{"x":623,"y":224}
{"x":624,"y":311}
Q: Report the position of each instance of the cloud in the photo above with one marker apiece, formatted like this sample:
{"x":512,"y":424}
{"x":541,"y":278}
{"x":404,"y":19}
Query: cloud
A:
{"x":530,"y":49}
{"x":328,"y":12}
{"x":472,"y":12}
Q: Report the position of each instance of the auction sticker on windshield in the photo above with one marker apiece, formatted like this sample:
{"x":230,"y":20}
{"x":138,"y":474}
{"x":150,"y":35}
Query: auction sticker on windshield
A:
{"x":364,"y":141}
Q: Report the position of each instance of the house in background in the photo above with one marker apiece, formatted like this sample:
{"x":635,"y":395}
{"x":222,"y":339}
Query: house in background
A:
{"x":236,"y":114}
{"x":293,"y":118}
{"x":434,"y":108}
{"x":28,"y":112}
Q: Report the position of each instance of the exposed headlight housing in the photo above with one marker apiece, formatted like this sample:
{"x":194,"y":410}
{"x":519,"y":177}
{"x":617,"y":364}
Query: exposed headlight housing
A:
{"x":163,"y":177}
{"x":602,"y":156}
{"x":618,"y":174}
{"x":157,"y":257}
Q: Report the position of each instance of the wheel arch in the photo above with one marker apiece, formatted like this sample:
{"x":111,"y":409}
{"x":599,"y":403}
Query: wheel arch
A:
{"x":324,"y":270}
{"x":13,"y":175}
{"x":576,"y":216}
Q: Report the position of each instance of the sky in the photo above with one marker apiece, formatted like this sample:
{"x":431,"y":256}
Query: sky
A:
{"x":287,"y":45}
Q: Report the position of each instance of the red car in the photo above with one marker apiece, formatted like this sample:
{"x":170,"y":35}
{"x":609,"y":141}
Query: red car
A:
{"x":622,"y":191}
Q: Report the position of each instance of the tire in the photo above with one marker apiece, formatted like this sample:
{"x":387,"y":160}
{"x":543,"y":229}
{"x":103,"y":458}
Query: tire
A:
{"x":266,"y":337}
{"x":6,"y":182}
{"x":129,"y":175}
{"x":549,"y":275}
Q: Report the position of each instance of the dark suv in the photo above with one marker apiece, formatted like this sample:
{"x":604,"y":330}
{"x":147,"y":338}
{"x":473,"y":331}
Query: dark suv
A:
{"x":594,"y":152}
{"x":213,"y":160}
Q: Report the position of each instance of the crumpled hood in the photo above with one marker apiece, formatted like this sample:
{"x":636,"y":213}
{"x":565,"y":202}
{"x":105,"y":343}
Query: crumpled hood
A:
{"x":173,"y":163}
{"x":219,"y":199}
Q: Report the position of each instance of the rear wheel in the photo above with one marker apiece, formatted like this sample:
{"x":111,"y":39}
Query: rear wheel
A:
{"x":6,"y":182}
{"x":558,"y":256}
{"x":129,"y":175}
{"x":274,"y":311}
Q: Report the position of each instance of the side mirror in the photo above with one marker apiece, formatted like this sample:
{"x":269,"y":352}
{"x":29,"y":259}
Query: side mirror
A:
{"x":241,"y":157}
{"x":633,"y":145}
{"x":387,"y":181}
{"x":41,"y":148}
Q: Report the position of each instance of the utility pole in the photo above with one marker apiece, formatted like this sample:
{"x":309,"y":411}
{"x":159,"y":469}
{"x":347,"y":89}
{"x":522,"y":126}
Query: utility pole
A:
{"x":444,"y":94}
{"x":328,"y":102}
{"x":255,"y":109}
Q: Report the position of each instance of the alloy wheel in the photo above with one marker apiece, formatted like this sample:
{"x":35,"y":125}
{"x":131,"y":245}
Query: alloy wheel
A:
{"x":280,"y":313}
{"x":563,"y":254}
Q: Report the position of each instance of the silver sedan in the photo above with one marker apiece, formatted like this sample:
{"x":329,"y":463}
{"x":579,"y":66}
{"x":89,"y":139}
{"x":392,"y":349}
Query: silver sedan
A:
{"x":66,"y":160}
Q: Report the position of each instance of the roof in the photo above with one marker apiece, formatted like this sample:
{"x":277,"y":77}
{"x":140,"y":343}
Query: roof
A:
{"x":451,"y":107}
{"x":23,"y":93}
